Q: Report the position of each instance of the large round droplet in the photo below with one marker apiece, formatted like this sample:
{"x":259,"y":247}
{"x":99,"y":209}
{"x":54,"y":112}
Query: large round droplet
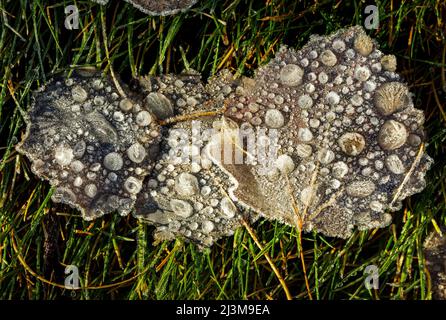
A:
{"x":274,"y":119}
{"x":363,"y":44}
{"x":118,"y":116}
{"x":285,"y":164}
{"x":79,"y":94}
{"x":362,"y":73}
{"x":228,"y":208}
{"x":143,"y":118}
{"x":125,"y":105}
{"x":77,"y":182}
{"x":91,"y":190}
{"x":414,"y":140}
{"x":338,"y":45}
{"x":159,"y":105}
{"x":376,"y":206}
{"x":332,"y":98}
{"x":63,"y":155}
{"x":291,"y":75}
{"x":392,"y":135}
{"x":389,"y":62}
{"x":308,"y":195}
{"x":101,"y":128}
{"x":391,"y":97}
{"x":64,"y":195}
{"x":136,"y":153}
{"x":305,"y":101}
{"x":339,"y":169}
{"x":304,"y":134}
{"x":352,"y":143}
{"x":186,"y":184}
{"x":181,"y":208}
{"x":328,"y":58}
{"x":207,"y":226}
{"x":325,"y":156}
{"x":113,"y":161}
{"x":303,"y":150}
{"x":99,"y":100}
{"x":394,"y":164}
{"x":77,"y":166}
{"x":98,"y":84}
{"x":79,"y":149}
{"x":132,"y":185}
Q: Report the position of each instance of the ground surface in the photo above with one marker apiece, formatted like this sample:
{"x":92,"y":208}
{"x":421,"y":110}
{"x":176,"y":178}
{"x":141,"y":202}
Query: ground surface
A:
{"x":114,"y":255}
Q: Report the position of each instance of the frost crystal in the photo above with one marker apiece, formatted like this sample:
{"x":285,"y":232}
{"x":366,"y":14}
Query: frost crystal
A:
{"x":325,"y":138}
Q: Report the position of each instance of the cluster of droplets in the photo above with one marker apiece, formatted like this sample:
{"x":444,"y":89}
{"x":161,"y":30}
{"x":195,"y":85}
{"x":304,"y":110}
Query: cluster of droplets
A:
{"x":349,"y":143}
{"x":94,"y":146}
{"x":350,"y":138}
{"x":186,"y":194}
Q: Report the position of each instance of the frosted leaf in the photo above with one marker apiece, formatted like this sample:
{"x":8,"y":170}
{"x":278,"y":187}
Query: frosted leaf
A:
{"x":345,"y":128}
{"x":82,"y":149}
{"x":186,"y":194}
